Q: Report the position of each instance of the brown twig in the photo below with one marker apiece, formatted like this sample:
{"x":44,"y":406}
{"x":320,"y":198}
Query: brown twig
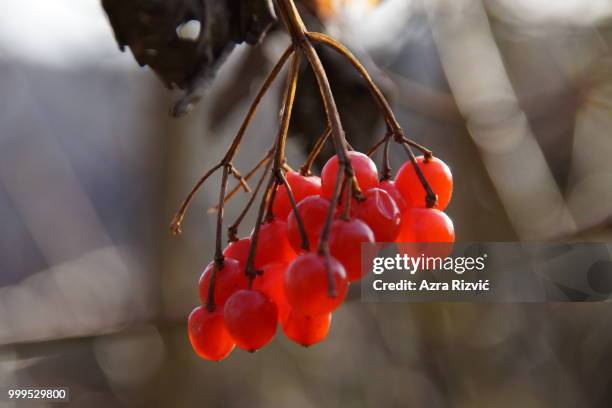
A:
{"x":232,"y":231}
{"x":263,"y":161}
{"x":175,"y":226}
{"x":298,"y":217}
{"x":314,"y":153}
{"x":219,"y":258}
{"x":279,"y":159}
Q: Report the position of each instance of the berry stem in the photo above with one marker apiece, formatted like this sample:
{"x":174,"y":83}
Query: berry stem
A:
{"x":377,"y":145}
{"x":279,"y":159}
{"x":263,"y":161}
{"x":431,"y":198}
{"x":386,"y":172}
{"x":218,"y":248}
{"x":242,"y":182}
{"x":232,"y":231}
{"x":219,"y":258}
{"x":392,"y":123}
{"x":297,"y":30}
{"x":426,"y":152}
{"x":298,"y":217}
{"x":305,"y":170}
{"x":175,"y":226}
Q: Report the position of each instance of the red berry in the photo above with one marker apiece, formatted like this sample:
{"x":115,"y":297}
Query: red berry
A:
{"x":306,"y":284}
{"x":208,"y":335}
{"x":272,"y":284}
{"x":389,"y":187}
{"x":273,"y":245}
{"x":345,"y":241}
{"x":380,"y":212}
{"x":307,"y":330}
{"x":228,"y":280}
{"x":365,"y":172}
{"x":239,"y":250}
{"x":426,"y":225}
{"x":426,"y":231}
{"x":301,"y":187}
{"x":313,"y":212}
{"x":437,"y":174}
{"x":251,"y":318}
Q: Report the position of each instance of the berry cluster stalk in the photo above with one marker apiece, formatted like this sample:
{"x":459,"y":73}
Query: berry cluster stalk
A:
{"x":274,"y":161}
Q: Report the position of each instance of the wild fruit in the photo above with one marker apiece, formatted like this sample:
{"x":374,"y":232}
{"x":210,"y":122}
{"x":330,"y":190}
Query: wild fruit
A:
{"x":208,"y":335}
{"x":251,"y":319}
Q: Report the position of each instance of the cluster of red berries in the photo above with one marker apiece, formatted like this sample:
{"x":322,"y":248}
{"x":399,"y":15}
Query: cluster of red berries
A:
{"x":293,"y":286}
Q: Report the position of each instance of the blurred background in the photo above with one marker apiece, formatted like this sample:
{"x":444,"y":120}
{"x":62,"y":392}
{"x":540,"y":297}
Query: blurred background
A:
{"x":515,"y":95}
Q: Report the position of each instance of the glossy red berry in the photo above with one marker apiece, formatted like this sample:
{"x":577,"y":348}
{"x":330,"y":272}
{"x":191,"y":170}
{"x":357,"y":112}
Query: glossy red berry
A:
{"x":273,"y":245}
{"x":307,"y":330}
{"x":426,"y":231}
{"x":437,"y":174}
{"x":239,"y":250}
{"x":301,"y":187}
{"x":365,"y":172}
{"x":426,"y":225}
{"x":251,"y":319}
{"x":272,"y":283}
{"x":391,"y":189}
{"x":380,"y":212}
{"x":306,"y":284}
{"x":313,"y":212}
{"x":208,"y":335}
{"x":345,"y":241}
{"x":229,"y":279}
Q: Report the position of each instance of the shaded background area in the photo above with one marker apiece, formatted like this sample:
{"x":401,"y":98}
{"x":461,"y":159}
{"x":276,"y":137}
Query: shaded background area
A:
{"x":515,"y":95}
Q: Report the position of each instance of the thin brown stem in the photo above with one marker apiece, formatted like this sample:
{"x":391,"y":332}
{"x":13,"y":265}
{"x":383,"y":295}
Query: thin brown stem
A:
{"x":232,"y":231}
{"x":253,"y":108}
{"x":175,"y":226}
{"x":298,"y":217}
{"x":242,"y":182}
{"x":305,"y":170}
{"x":332,"y":43}
{"x":386,"y":172}
{"x":296,"y":28}
{"x":377,"y":145}
{"x":431,"y":198}
{"x":263,"y":161}
{"x":392,"y":123}
{"x":279,"y":159}
{"x":426,"y":152}
{"x":219,"y":258}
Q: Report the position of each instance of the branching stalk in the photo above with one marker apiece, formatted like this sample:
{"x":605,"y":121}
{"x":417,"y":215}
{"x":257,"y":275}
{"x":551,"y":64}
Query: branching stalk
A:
{"x":279,"y":159}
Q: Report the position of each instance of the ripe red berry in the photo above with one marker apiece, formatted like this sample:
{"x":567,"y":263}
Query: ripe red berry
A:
{"x":306,"y":284}
{"x":345,"y":241}
{"x":251,"y":319}
{"x":380,"y":212}
{"x":365,"y":172}
{"x":208,"y":335}
{"x":273,"y":245}
{"x":391,"y":189}
{"x":426,"y":225}
{"x":239,"y":250}
{"x":426,"y":231}
{"x":307,"y":330}
{"x":313,"y":212}
{"x":437,"y":174}
{"x":301,"y":187}
{"x":228,"y":280}
{"x":272,"y":284}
